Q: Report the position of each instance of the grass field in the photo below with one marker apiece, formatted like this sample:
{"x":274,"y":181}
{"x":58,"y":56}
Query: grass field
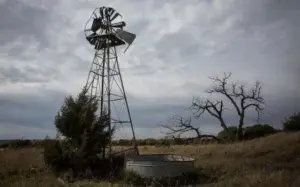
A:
{"x":272,"y":161}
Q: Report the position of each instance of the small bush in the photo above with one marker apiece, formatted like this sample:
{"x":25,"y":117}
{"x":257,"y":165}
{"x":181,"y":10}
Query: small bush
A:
{"x":255,"y":131}
{"x":258,"y":130}
{"x":60,"y":158}
{"x":86,"y":134}
{"x":223,"y":135}
{"x":55,"y":157}
{"x":292,"y":123}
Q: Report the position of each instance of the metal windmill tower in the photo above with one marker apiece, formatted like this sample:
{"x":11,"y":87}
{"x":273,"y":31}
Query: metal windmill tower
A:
{"x":104,"y":79}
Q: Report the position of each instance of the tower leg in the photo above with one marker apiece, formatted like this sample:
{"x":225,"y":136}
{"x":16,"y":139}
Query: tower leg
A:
{"x":108,"y":98}
{"x":127,"y":106}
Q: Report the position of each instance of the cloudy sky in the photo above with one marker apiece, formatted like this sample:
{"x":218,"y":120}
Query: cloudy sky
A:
{"x":44,"y":57}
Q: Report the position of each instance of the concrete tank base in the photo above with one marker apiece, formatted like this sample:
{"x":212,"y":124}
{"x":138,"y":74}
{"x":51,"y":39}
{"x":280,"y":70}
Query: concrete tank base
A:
{"x":160,"y":165}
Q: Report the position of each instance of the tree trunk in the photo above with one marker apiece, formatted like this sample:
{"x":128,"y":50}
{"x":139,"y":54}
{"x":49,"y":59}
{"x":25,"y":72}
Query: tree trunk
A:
{"x":225,"y":128}
{"x":240,"y":128}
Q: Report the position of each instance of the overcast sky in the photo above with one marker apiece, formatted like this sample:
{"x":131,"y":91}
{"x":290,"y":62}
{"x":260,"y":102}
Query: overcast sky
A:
{"x":44,"y":57}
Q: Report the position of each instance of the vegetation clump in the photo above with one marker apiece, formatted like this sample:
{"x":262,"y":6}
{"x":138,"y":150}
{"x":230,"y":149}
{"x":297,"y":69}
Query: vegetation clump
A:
{"x":248,"y":133}
{"x":80,"y":150}
{"x":292,"y":123}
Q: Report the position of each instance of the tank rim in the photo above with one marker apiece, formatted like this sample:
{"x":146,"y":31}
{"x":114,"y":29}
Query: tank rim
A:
{"x":135,"y":158}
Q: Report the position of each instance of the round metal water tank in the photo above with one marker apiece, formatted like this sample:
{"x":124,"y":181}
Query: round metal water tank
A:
{"x":160,"y":165}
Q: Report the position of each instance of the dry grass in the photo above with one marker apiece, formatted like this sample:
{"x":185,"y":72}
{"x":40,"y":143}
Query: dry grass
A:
{"x":273,"y":161}
{"x":24,"y":167}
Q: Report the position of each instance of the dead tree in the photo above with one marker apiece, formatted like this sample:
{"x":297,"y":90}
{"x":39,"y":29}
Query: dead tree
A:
{"x":182,"y":126}
{"x":239,"y":97}
{"x":215,"y":109}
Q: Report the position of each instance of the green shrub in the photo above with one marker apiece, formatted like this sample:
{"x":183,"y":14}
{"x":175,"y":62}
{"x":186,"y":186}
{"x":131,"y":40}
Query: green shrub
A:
{"x":60,"y":158}
{"x":82,"y":151}
{"x":55,"y":157}
{"x":225,"y":136}
{"x":292,"y":123}
{"x":258,"y":130}
{"x":250,"y":132}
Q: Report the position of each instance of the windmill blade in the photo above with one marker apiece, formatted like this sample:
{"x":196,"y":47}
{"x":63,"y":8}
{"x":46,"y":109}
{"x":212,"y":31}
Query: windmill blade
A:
{"x":112,"y":14}
{"x":115,"y":16}
{"x":106,"y":13}
{"x":110,"y":11}
{"x":95,"y":15}
{"x":96,"y":25}
{"x":126,"y":36}
{"x":101,"y":12}
{"x":119,"y":24}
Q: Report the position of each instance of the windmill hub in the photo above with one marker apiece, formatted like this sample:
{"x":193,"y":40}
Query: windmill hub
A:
{"x":104,"y":79}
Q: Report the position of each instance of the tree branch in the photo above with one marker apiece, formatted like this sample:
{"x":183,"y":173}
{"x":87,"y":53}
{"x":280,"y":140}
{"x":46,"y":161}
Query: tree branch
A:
{"x":184,"y":125}
{"x":181,"y":126}
{"x":215,"y":109}
{"x":222,"y":88}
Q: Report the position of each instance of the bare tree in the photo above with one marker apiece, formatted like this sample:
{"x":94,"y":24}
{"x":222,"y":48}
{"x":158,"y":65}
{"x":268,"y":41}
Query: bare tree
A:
{"x":239,"y":97}
{"x":215,"y":109}
{"x":181,"y":125}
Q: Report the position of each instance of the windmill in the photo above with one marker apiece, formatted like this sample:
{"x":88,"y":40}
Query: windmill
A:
{"x":105,"y":33}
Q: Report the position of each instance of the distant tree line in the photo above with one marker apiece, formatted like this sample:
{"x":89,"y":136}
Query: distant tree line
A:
{"x":291,"y":124}
{"x":248,"y":133}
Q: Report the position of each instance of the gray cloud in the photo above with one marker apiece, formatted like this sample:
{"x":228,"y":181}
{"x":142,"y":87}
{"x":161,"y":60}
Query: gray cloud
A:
{"x":18,"y":19}
{"x":44,"y":57}
{"x":27,"y":74}
{"x":19,"y":109}
{"x":142,"y":69}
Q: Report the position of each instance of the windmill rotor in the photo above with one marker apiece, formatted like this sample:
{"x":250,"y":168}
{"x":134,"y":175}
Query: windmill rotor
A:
{"x":103,"y":25}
